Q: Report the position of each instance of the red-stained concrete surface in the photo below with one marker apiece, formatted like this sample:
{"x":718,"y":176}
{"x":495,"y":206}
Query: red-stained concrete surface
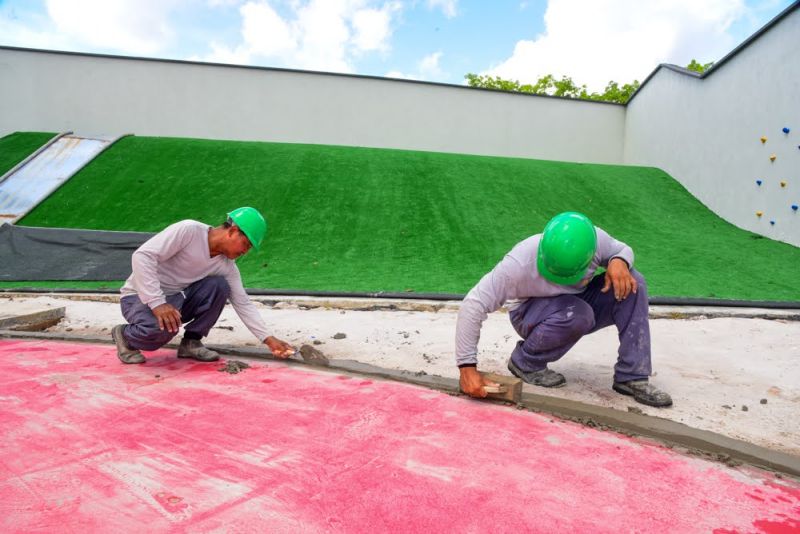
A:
{"x":91,"y":445}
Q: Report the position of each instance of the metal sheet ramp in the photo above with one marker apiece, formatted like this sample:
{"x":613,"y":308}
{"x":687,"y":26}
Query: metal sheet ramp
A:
{"x":40,"y":174}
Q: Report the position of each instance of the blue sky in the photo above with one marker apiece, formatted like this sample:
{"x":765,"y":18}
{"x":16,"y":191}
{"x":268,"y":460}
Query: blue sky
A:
{"x":434,"y":40}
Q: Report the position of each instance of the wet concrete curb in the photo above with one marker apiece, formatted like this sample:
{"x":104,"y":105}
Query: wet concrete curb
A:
{"x":670,"y":433}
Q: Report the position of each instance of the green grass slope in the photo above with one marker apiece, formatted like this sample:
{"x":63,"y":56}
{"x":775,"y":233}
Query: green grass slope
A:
{"x":357,"y":219}
{"x":19,"y":145}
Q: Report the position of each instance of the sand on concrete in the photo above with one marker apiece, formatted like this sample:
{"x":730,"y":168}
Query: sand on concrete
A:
{"x":719,"y":371}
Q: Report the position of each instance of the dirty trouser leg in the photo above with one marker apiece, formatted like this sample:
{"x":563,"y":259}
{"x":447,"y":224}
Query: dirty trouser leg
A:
{"x":204,"y":302}
{"x":549,"y":326}
{"x":630,"y":316}
{"x":200,"y":305}
{"x":142,"y":331}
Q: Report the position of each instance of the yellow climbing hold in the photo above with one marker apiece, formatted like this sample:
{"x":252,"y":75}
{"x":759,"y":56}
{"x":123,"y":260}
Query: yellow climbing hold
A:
{"x":759,"y":213}
{"x":772,"y":157}
{"x":763,"y":139}
{"x":783,"y":183}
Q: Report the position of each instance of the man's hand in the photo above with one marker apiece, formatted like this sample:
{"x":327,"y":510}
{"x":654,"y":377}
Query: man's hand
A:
{"x":169,"y":318}
{"x":619,"y":276}
{"x":280,"y":349}
{"x":472,"y":382}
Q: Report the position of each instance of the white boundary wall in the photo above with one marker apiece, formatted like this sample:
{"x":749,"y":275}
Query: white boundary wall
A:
{"x":705,"y":132}
{"x":49,"y":91}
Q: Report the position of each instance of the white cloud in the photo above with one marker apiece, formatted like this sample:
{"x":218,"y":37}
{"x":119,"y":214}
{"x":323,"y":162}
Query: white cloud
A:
{"x":400,"y":75}
{"x":429,"y":65}
{"x":317,"y":35}
{"x":131,"y":26}
{"x":220,"y":53}
{"x":448,"y":7}
{"x":323,"y":33}
{"x":595,"y":41}
{"x":223,"y":3}
{"x":427,"y":68}
{"x":15,"y":34}
{"x":264,"y":31}
{"x":372,"y":29}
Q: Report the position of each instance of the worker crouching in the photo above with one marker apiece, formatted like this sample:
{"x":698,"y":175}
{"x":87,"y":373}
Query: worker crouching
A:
{"x":184,"y":275}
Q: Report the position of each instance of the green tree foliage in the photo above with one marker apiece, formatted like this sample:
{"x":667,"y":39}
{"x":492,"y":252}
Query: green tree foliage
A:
{"x":549,"y":85}
{"x":699,"y":67}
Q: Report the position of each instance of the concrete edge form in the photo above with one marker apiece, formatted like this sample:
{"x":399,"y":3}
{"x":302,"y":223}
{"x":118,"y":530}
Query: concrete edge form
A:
{"x":708,"y":444}
{"x":33,"y":155}
{"x":38,"y":320}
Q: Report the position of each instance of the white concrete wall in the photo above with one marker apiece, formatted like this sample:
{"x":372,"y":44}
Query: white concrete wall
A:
{"x":48,"y":91}
{"x":705,"y":132}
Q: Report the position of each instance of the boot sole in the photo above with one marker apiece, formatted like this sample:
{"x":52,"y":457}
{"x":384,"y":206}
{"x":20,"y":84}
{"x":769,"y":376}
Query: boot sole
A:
{"x":198,"y":359}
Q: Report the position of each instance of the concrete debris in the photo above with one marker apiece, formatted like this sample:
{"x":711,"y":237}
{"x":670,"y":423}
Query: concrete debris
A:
{"x":313,"y":356}
{"x":233,"y":367}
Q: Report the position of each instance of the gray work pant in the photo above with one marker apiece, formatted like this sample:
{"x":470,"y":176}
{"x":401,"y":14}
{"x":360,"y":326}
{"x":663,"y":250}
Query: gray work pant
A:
{"x":550,"y":326}
{"x":200,"y":305}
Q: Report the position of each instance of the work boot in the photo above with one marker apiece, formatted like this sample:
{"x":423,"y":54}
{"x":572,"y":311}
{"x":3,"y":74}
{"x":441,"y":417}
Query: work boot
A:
{"x":644,"y":392}
{"x":124,"y":352}
{"x":544,"y":378}
{"x":194,"y":348}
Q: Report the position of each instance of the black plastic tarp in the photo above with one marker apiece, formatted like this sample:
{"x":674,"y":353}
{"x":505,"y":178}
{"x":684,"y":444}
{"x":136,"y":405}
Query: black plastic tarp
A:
{"x":28,"y":253}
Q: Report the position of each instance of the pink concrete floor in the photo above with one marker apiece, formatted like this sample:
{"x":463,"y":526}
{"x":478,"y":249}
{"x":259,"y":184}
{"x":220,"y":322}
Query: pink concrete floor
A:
{"x":91,"y":445}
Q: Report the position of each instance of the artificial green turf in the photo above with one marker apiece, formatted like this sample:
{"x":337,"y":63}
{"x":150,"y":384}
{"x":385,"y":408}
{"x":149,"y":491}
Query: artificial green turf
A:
{"x":19,"y":145}
{"x":358,"y":219}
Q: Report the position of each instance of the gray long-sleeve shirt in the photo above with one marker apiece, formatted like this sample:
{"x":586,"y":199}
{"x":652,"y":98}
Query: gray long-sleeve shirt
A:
{"x":515,"y":279}
{"x":177,"y":257}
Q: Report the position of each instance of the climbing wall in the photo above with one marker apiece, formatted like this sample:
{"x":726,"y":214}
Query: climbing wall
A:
{"x":777,"y":195}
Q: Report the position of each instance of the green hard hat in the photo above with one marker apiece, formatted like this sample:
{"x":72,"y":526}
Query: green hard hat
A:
{"x":566,"y":249}
{"x":251,"y":222}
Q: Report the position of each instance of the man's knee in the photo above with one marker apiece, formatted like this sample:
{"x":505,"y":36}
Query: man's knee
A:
{"x":576,"y":316}
{"x":641,"y":283}
{"x":161,"y":337}
{"x":148,"y":336}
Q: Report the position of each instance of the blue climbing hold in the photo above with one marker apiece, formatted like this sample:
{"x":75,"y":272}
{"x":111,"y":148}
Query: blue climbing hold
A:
{"x":794,"y":207}
{"x":772,"y":223}
{"x":758,"y":182}
{"x":786,"y":129}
